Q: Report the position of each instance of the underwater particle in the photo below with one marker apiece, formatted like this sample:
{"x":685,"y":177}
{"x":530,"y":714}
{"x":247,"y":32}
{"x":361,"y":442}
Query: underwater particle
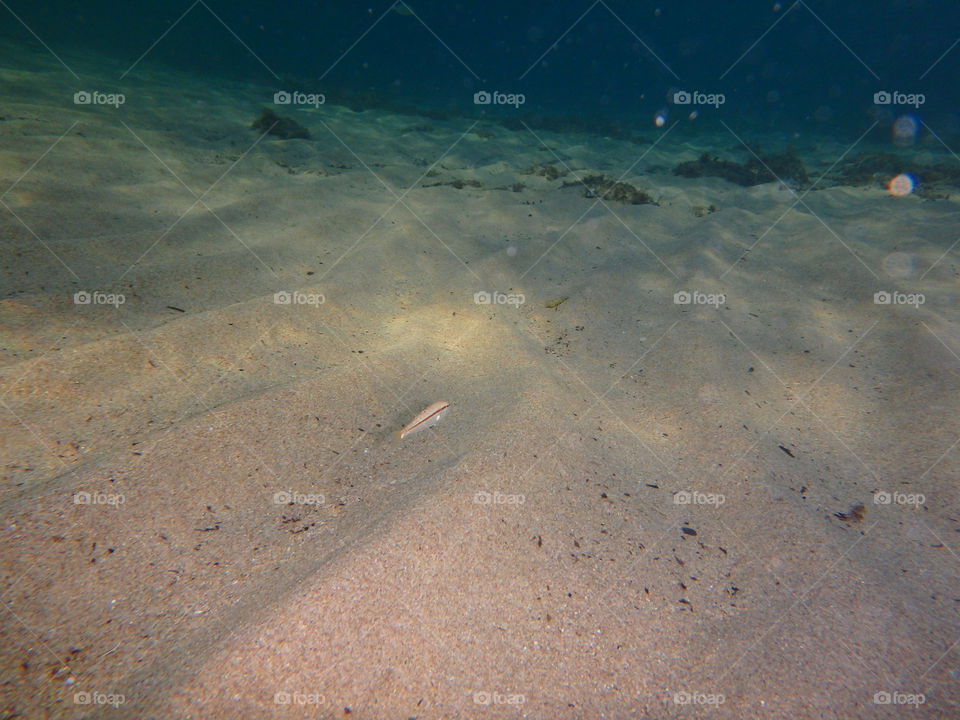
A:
{"x":870,"y":168}
{"x":824,"y":113}
{"x":511,"y":251}
{"x":660,"y":119}
{"x":905,"y":129}
{"x":901,"y":185}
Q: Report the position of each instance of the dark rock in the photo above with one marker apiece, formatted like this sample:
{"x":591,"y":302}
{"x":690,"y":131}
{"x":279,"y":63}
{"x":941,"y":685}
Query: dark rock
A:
{"x":606,"y":189}
{"x":757,"y":170}
{"x":283,"y":128}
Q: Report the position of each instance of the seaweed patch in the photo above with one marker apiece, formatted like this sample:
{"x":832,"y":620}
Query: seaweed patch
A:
{"x":282,"y":127}
{"x":757,"y":170}
{"x":600,"y":186}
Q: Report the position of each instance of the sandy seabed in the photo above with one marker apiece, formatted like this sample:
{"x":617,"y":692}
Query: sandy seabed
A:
{"x":636,"y":507}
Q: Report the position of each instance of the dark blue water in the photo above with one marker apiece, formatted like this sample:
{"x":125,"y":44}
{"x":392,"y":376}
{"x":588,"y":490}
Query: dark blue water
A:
{"x":806,"y":67}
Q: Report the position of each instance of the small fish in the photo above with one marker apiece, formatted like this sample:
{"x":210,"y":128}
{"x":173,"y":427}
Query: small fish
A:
{"x":556,"y":302}
{"x":428,"y":417}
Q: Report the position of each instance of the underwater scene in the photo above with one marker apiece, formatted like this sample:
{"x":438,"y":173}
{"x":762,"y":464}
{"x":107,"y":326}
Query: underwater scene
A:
{"x":416,"y":359}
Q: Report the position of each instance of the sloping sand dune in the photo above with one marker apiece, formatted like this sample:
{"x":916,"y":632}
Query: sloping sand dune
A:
{"x":205,"y":509}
